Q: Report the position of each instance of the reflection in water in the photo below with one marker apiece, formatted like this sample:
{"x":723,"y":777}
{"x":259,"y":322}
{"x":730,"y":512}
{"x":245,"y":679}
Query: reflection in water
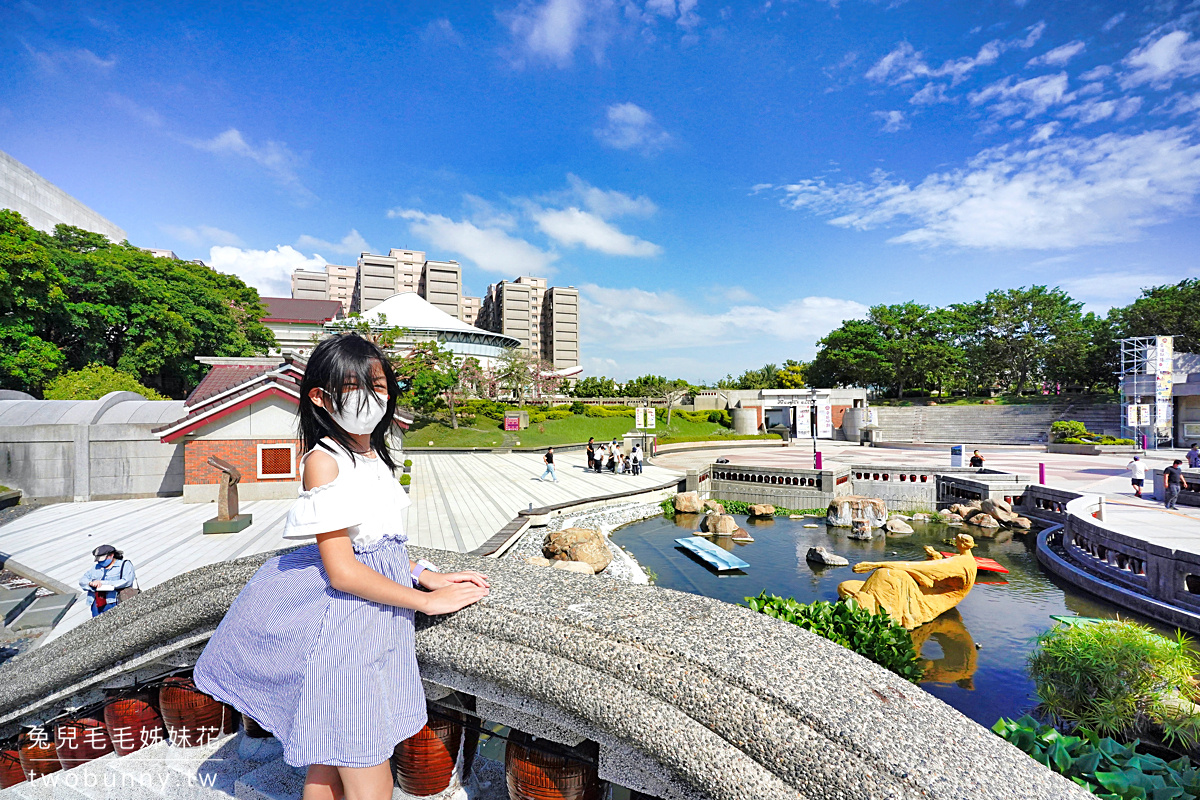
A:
{"x":959,"y":658}
{"x":689,"y":521}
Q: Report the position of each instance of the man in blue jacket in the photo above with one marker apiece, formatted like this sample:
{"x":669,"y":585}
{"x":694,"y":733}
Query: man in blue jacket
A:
{"x":104,"y":581}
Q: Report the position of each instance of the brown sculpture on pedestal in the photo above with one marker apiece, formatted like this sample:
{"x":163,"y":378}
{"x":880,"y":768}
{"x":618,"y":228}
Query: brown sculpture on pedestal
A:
{"x":228,"y":520}
{"x":915,"y":592}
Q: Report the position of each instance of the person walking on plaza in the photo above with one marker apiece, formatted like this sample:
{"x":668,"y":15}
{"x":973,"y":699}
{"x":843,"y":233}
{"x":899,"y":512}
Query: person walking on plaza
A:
{"x":976,"y":460}
{"x":599,"y":461}
{"x":107,"y":578}
{"x":635,"y":459}
{"x":1193,"y":457}
{"x":1137,"y":471}
{"x":548,"y":460}
{"x":591,"y":452}
{"x":319,"y":647}
{"x":1173,"y":483}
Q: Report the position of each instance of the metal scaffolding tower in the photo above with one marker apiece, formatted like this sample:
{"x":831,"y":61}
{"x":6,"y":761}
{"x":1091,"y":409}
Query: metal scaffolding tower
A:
{"x":1146,"y":377}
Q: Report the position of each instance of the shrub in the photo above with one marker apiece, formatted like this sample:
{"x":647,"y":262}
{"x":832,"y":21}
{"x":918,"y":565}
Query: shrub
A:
{"x":559,"y":413}
{"x":721,"y":417}
{"x":1117,"y":678}
{"x":536,"y":417}
{"x":1105,"y":767}
{"x":405,"y":479}
{"x":578,"y":408}
{"x":668,"y":507}
{"x":873,"y":636}
{"x":609,"y":411}
{"x":1068,"y":429}
{"x":1072,"y":440}
{"x":738,"y":507}
{"x":408,"y":462}
{"x":483,"y":407}
{"x":93,"y":382}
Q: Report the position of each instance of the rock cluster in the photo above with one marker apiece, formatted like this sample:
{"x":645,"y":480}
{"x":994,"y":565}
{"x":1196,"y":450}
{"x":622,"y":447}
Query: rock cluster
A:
{"x":578,"y":544}
{"x":988,"y":513}
{"x":689,"y":503}
{"x":714,"y":506}
{"x":762,"y":510}
{"x":718,"y":524}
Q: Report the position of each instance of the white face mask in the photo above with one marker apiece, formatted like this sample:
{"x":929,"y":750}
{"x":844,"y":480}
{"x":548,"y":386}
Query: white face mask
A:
{"x":362,"y":410}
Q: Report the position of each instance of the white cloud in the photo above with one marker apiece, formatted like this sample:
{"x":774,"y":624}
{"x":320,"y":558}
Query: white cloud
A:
{"x":1162,"y":61}
{"x":1106,"y":289}
{"x":441,"y":31}
{"x":1096,"y":110}
{"x":893,"y":121}
{"x":1096,"y":73}
{"x":609,"y":203}
{"x":133,"y":109}
{"x":1113,"y":22}
{"x":668,"y":328}
{"x":932,"y":94}
{"x":491,"y":249}
{"x":1062,"y":193}
{"x":202,"y":234}
{"x":1030,"y":97}
{"x":275,"y":157}
{"x":904,"y":63}
{"x":572,"y":226}
{"x":553,"y":30}
{"x":352,"y":244}
{"x":51,"y":62}
{"x":269,"y":271}
{"x":630,"y":127}
{"x":1058,"y":56}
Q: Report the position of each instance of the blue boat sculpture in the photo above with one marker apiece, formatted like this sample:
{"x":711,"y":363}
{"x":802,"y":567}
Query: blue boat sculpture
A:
{"x":715,"y":557}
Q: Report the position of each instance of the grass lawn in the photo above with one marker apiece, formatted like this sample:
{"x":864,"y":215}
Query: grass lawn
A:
{"x":573,"y":429}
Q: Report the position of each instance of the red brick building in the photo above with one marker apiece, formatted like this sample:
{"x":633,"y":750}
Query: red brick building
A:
{"x":244,"y":411}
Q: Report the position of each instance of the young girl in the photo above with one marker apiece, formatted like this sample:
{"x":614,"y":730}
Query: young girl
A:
{"x":319,"y":646}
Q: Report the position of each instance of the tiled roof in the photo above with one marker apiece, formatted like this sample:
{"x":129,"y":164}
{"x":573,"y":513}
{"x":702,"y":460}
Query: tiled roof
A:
{"x":223,"y":377}
{"x":287,"y":309}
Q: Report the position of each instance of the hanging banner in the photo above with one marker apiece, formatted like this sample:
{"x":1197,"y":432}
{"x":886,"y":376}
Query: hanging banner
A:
{"x":650,"y":421}
{"x":1164,"y":379}
{"x":639,"y":418}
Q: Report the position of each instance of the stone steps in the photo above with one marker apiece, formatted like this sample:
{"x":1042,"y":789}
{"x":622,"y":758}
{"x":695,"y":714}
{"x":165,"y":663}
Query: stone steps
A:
{"x":14,"y":601}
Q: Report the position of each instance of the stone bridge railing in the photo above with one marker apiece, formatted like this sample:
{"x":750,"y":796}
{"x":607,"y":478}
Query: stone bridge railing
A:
{"x":687,"y":697}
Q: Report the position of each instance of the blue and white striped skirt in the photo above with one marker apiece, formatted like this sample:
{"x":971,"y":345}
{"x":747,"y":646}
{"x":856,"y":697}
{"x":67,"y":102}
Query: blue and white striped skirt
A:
{"x":333,"y":676}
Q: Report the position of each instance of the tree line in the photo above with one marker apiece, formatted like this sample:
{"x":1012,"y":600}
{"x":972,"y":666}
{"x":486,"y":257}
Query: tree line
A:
{"x":73,"y":300}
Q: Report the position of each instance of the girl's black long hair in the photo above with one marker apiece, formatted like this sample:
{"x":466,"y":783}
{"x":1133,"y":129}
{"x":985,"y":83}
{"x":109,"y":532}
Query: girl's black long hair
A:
{"x":335,"y":362}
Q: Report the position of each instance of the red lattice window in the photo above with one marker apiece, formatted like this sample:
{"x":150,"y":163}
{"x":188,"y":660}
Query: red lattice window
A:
{"x":275,"y":462}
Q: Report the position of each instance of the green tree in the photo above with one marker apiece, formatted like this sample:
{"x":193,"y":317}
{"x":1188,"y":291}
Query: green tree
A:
{"x":1168,"y":310}
{"x":908,"y":331}
{"x":595,"y":387}
{"x":1022,"y":327}
{"x":515,"y":372}
{"x":792,"y":375}
{"x":428,"y":374}
{"x":851,"y":355}
{"x":93,"y":382}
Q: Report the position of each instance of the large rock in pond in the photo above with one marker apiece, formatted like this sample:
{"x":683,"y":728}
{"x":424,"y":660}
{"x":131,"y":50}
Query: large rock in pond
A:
{"x":860,"y":529}
{"x":578,"y":544}
{"x":819,"y":555}
{"x":983,"y":520}
{"x":714,"y":506}
{"x":897,"y":525}
{"x":718,"y":524}
{"x":762,"y":510}
{"x":999,"y":510}
{"x":1022,"y":524}
{"x":689,"y":503}
{"x":844,"y":510}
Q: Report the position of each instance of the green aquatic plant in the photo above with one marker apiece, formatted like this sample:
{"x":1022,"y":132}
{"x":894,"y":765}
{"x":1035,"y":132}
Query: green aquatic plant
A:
{"x":873,"y":636}
{"x":1118,"y":678}
{"x":1103,"y":766}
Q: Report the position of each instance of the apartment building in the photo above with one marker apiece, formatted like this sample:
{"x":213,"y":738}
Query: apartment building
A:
{"x":544,"y":319}
{"x":337,"y":282}
{"x":441,"y":286}
{"x":380,"y":277}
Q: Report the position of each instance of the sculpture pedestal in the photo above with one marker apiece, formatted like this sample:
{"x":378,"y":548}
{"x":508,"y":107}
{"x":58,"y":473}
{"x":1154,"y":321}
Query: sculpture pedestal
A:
{"x":238,"y":523}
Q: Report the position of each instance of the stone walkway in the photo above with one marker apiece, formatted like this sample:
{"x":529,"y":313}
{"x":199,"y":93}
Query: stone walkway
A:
{"x":459,"y":501}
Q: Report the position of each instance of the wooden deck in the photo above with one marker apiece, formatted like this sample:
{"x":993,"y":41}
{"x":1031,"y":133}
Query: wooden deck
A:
{"x":459,"y":501}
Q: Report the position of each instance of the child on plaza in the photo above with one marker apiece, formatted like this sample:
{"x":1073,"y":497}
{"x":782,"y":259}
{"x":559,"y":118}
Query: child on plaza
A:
{"x":1137,"y":469}
{"x":318,"y":648}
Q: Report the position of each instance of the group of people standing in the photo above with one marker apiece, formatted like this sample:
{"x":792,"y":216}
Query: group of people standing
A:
{"x":611,"y":457}
{"x":1173,"y":480}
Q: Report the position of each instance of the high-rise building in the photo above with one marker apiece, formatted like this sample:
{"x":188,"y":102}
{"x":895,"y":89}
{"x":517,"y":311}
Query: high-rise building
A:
{"x":545,"y":319}
{"x":380,"y":277}
{"x":44,"y":205}
{"x":340,"y":284}
{"x":470,"y":309}
{"x":441,"y":285}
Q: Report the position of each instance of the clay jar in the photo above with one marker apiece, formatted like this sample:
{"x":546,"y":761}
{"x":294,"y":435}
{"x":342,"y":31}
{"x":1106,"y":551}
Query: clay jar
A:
{"x":423,"y":764}
{"x":10,"y":767}
{"x":80,"y":740}
{"x":133,"y":720}
{"x":534,"y":774}
{"x":192,"y":717}
{"x":37,"y":751}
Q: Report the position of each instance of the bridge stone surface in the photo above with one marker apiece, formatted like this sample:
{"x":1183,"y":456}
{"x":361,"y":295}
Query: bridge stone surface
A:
{"x":700,"y":698}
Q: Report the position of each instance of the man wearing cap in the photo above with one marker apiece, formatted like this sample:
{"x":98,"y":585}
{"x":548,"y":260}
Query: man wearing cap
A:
{"x":107,"y":578}
{"x":1138,"y":470}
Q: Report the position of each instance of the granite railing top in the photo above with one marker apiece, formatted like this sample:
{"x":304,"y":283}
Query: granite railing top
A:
{"x":732,"y":704}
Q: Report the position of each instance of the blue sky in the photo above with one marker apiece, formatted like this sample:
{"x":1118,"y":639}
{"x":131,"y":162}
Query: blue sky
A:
{"x":725,"y":182}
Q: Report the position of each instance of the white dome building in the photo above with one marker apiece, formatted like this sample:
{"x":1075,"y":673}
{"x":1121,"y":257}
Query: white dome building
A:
{"x":426,"y":322}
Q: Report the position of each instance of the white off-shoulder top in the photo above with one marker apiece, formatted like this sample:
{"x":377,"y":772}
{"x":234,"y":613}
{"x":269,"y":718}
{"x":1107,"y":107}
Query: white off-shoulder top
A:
{"x":365,"y":498}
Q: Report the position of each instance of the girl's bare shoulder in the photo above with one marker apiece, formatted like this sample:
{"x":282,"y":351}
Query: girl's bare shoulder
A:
{"x":320,"y":468}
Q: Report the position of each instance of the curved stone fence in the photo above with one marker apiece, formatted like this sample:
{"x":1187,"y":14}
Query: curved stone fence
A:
{"x":685,"y":696}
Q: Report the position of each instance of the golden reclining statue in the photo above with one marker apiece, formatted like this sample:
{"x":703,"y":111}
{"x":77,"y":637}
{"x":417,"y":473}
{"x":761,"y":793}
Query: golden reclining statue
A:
{"x":915,"y":592}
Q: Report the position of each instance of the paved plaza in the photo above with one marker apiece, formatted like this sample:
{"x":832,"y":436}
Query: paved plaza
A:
{"x":459,"y":501}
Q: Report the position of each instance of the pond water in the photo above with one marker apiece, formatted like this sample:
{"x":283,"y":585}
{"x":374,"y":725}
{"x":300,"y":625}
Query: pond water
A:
{"x":1004,"y":614}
